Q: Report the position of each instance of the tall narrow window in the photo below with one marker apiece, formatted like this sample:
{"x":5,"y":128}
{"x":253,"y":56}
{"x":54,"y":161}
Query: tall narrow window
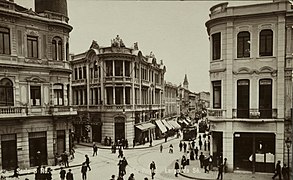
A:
{"x":58,"y":94}
{"x":109,"y":68}
{"x":118,"y":95}
{"x":266,"y":43}
{"x":217,"y":94}
{"x":6,"y":92}
{"x":109,"y":92}
{"x":265,"y":98}
{"x":84,"y":72}
{"x":118,"y":68}
{"x":67,"y":52}
{"x":127,"y":68}
{"x":127,"y":95}
{"x":80,"y":73}
{"x":216,"y":40}
{"x":242,"y":98}
{"x":243,"y":44}
{"x":4,"y":41}
{"x":75,"y":74}
{"x":35,"y":95}
{"x":54,"y":49}
{"x":32,"y":47}
{"x":60,"y":55}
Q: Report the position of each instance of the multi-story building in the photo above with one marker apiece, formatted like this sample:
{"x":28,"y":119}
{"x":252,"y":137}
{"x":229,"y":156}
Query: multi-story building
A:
{"x":204,"y":99}
{"x":170,"y":100}
{"x":192,"y":104}
{"x":251,"y":83}
{"x":118,"y":92}
{"x":35,"y":114}
{"x":183,"y":94}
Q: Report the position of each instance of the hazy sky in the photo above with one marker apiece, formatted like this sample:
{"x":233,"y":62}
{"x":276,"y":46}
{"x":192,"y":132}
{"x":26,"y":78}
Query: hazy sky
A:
{"x":173,"y":30}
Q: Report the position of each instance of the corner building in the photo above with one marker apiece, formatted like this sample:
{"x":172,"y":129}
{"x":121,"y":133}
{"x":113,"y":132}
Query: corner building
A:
{"x":251,"y":84}
{"x":118,"y":93}
{"x":35,"y":113}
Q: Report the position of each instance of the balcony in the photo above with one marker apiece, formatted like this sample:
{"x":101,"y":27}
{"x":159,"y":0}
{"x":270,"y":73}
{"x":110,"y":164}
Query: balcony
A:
{"x":12,"y":112}
{"x":255,"y":113}
{"x":62,"y":110}
{"x":216,"y":113}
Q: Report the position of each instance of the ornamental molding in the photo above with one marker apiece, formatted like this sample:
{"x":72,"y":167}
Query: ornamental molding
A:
{"x":35,"y":79}
{"x":7,"y":19}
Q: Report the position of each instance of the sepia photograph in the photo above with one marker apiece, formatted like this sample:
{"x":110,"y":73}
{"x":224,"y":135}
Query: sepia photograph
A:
{"x":146,"y":89}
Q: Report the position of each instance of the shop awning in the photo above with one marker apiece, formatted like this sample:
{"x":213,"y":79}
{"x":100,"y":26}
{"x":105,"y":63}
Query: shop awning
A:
{"x":174,"y":124}
{"x":161,"y":126}
{"x":186,"y":122}
{"x":145,"y":126}
{"x":167,"y":124}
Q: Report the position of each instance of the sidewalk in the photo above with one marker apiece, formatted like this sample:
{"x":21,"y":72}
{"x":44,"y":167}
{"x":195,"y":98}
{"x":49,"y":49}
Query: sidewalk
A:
{"x":141,"y":146}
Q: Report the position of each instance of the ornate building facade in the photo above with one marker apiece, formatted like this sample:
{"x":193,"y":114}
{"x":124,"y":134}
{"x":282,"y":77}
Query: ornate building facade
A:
{"x":35,"y":113}
{"x":170,"y":100}
{"x":118,"y":92}
{"x":251,"y":84}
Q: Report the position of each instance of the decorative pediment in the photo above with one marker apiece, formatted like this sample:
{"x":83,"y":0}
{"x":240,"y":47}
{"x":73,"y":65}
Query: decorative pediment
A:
{"x":35,"y":79}
{"x":266,"y":69}
{"x":94,"y":45}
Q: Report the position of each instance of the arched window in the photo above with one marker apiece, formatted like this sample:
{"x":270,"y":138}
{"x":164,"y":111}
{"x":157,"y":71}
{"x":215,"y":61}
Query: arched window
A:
{"x":243,"y":44}
{"x":4,"y":41}
{"x":266,"y":43}
{"x":57,"y":49}
{"x":6,"y":92}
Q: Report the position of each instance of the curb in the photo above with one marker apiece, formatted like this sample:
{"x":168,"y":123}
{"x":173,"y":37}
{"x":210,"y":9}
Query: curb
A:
{"x":189,"y":177}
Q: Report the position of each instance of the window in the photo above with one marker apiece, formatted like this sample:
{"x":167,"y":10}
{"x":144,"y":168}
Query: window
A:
{"x":35,"y":95}
{"x":67,"y":52}
{"x":243,"y":98}
{"x":118,"y":95}
{"x":216,"y":40}
{"x":266,"y":43}
{"x":57,"y":48}
{"x":75,"y":74}
{"x":265,"y":98}
{"x":127,"y":68}
{"x":58,"y":94}
{"x":118,"y":68}
{"x":80,"y":73}
{"x":6,"y":92}
{"x":4,"y":41}
{"x":217,"y":94}
{"x":32,"y":47}
{"x":127,"y":95}
{"x":84,"y":72}
{"x":243,"y":44}
{"x":109,"y":68}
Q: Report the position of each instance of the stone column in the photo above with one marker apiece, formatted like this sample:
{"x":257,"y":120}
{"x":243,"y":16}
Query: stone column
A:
{"x":113,"y":62}
{"x":114,"y":94}
{"x":124,"y":95}
{"x":228,"y":145}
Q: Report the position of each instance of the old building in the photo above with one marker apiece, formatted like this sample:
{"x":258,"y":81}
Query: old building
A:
{"x":251,"y":83}
{"x":118,"y":92}
{"x":35,"y":113}
{"x":183,"y":94}
{"x":170,"y":100}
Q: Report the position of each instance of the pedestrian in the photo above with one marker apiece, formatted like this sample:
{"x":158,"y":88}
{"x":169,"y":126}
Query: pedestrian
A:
{"x":62,"y":173}
{"x":84,"y":170}
{"x":200,"y":144}
{"x":95,"y":150}
{"x":184,"y":147}
{"x":183,"y":163}
{"x":120,"y":155}
{"x":285,"y":172}
{"x":72,"y":151}
{"x":180,"y":146}
{"x":220,"y":173}
{"x":16,"y":172}
{"x":66,"y":163}
{"x":278,"y":171}
{"x":151,"y":142}
{"x":69,"y":175}
{"x":201,"y":159}
{"x":193,"y":144}
{"x":196,"y":152}
{"x":205,"y":145}
{"x":133,"y":143}
{"x":126,"y":143}
{"x":131,"y":177}
{"x":124,"y":164}
{"x":211,"y":163}
{"x":171,"y":148}
{"x":192,"y":155}
{"x":120,"y":168}
{"x":153,"y":168}
{"x":177,"y":168}
{"x":112,"y":177}
{"x":161,"y":148}
{"x":206,"y":164}
{"x":87,"y":162}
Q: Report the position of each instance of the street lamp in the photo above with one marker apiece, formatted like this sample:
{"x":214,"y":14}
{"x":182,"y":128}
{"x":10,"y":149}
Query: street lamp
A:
{"x":288,"y":144}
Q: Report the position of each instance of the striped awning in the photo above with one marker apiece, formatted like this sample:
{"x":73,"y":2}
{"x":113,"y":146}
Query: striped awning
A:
{"x":167,"y":124}
{"x":145,"y":126}
{"x":174,"y":124}
{"x":161,"y":126}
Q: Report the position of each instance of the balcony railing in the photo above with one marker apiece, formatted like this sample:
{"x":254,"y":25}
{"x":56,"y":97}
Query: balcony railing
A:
{"x":255,"y":113}
{"x":216,"y":113}
{"x":118,"y":107}
{"x":12,"y":110}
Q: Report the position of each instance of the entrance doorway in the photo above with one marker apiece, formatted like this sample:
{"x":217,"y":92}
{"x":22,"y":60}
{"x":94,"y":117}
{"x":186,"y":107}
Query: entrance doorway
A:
{"x":61,"y":145}
{"x":97,"y":133}
{"x":9,"y":151}
{"x":217,"y":147}
{"x":38,"y":148}
{"x":119,"y":131}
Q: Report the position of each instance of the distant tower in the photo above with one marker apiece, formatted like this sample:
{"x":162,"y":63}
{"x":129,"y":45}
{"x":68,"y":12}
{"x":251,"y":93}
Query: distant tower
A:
{"x":185,"y":82}
{"x":57,"y":6}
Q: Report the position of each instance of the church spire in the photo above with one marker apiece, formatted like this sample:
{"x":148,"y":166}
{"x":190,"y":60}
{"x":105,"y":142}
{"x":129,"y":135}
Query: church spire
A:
{"x":185,"y":82}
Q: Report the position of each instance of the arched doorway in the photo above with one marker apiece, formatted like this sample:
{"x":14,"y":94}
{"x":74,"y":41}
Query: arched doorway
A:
{"x":119,"y":128}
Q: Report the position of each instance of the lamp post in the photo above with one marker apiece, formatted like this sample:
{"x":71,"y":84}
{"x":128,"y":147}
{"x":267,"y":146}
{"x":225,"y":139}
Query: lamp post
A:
{"x":288,"y":144}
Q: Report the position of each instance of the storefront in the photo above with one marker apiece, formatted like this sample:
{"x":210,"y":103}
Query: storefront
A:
{"x":61,"y":143}
{"x":144,"y":132}
{"x":9,"y":151}
{"x":38,"y":148}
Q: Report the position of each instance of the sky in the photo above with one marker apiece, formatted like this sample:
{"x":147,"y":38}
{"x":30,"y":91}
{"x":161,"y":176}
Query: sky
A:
{"x":173,"y":30}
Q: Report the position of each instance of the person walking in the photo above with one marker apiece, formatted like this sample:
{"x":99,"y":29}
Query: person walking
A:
{"x":87,"y":162}
{"x":184,"y":147}
{"x":153,"y":168}
{"x":211,"y":163}
{"x":200,"y":144}
{"x":120,"y":168}
{"x":183,"y":163}
{"x":220,"y":173}
{"x":84,"y":170}
{"x":131,"y":177}
{"x":180,"y":146}
{"x":124,"y":164}
{"x":193,"y":144}
{"x":196,"y":152}
{"x":177,"y":168}
{"x":161,"y":148}
{"x":205,"y":145}
{"x":62,"y":173}
{"x":201,"y":159}
{"x":171,"y":148}
{"x":120,"y":155}
{"x":95,"y":150}
{"x":69,"y":175}
{"x":151,"y":142}
{"x":285,"y":172}
{"x":278,"y":171}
